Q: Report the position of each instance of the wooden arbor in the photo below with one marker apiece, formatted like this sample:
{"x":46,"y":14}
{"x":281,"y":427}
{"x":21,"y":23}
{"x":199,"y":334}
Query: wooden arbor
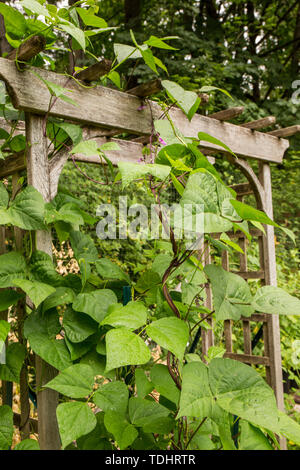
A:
{"x":104,"y":112}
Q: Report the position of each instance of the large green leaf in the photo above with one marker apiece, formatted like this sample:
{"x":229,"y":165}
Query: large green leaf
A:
{"x":171,"y":333}
{"x":250,"y":213}
{"x":186,"y":100}
{"x":42,"y":268}
{"x":61,"y":296}
{"x":27,"y":444}
{"x":163,"y":383}
{"x":41,"y":331}
{"x":6,"y":427}
{"x":78,"y":326}
{"x":12,"y":266}
{"x":109,"y":270}
{"x":123,"y":432}
{"x":125,"y":348}
{"x":240,"y":390}
{"x":74,"y":419}
{"x":27,"y":210}
{"x":231,"y":294}
{"x":112,"y":396}
{"x":36,"y":291}
{"x":132,"y":171}
{"x":142,"y":383}
{"x":271,"y":299}
{"x":10,"y":371}
{"x":132,"y":316}
{"x":14,"y":20}
{"x":95,"y":304}
{"x":149,"y":415}
{"x":196,"y":398}
{"x":9,"y":297}
{"x":75,"y":32}
{"x":288,"y":428}
{"x":252,"y":438}
{"x":83,"y":247}
{"x":4,"y":196}
{"x":76,"y":381}
{"x":4,"y":330}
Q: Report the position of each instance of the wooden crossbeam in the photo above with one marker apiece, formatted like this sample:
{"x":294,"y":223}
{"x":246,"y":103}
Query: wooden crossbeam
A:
{"x":286,"y":131}
{"x":242,"y":189}
{"x":28,"y":49}
{"x":248,"y":358}
{"x":105,"y":107}
{"x":146,"y":89}
{"x":95,"y":71}
{"x":260,"y":123}
{"x":227,"y":114}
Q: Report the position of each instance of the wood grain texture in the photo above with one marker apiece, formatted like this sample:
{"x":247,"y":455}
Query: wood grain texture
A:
{"x":227,"y":114}
{"x":102,"y":106}
{"x":286,"y":131}
{"x":260,"y":123}
{"x":28,"y":49}
{"x":95,"y":71}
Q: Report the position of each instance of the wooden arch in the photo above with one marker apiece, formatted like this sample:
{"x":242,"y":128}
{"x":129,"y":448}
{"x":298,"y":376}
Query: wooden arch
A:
{"x":105,"y":112}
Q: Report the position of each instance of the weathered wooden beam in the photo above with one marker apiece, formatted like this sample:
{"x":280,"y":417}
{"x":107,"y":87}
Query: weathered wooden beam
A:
{"x":33,"y":423}
{"x":260,"y":123}
{"x":12,"y":164}
{"x":105,"y":107}
{"x":227,"y":114}
{"x":286,"y":131}
{"x":242,"y":189}
{"x":146,"y":89}
{"x":28,"y":49}
{"x":248,"y":358}
{"x":95,"y":71}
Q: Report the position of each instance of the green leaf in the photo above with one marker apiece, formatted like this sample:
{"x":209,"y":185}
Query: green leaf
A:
{"x":123,"y":432}
{"x":4,"y":196}
{"x":76,"y":381}
{"x":27,"y":210}
{"x":9,"y":297}
{"x":35,"y":7}
{"x":95,"y":304}
{"x":132,"y":316}
{"x":4,"y":330}
{"x":203,"y":136}
{"x":10,"y":371}
{"x":154,"y":41}
{"x":289,"y":428}
{"x":250,"y":213}
{"x":112,"y":396}
{"x":143,"y":385}
{"x":41,"y":333}
{"x":207,"y":89}
{"x":196,"y":398}
{"x":231,"y":294}
{"x":61,"y":296}
{"x":125,"y":348}
{"x":186,"y":100}
{"x":83,"y":247}
{"x":36,"y":291}
{"x":6,"y":427}
{"x":90,"y":148}
{"x":12,"y":266}
{"x":240,"y":390}
{"x":149,"y":59}
{"x":75,"y":32}
{"x":271,"y":299}
{"x":89,"y":19}
{"x":78,"y":326}
{"x":123,"y":52}
{"x":75,"y":419}
{"x":109,"y":270}
{"x":251,"y":438}
{"x":57,"y":90}
{"x":132,"y":171}
{"x":18,"y":143}
{"x":42,"y":268}
{"x":149,"y":415}
{"x":95,"y":361}
{"x":14,"y":20}
{"x":27,"y":444}
{"x":163,"y":383}
{"x":170,"y":333}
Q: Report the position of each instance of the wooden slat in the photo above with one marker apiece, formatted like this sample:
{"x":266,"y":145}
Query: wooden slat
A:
{"x":242,"y":189}
{"x":256,"y":317}
{"x":250,"y":274}
{"x":263,"y":360}
{"x":105,"y":107}
{"x":286,"y":131}
{"x":146,"y":89}
{"x":28,"y":49}
{"x":95,"y":71}
{"x":227,"y":114}
{"x":260,"y":123}
{"x":33,"y":423}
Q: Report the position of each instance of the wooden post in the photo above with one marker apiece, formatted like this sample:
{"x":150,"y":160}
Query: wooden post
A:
{"x":273,"y":326}
{"x":38,"y":176}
